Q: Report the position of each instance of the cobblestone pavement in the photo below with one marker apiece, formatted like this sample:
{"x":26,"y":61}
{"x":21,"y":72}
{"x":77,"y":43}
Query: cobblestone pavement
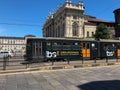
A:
{"x":97,"y":78}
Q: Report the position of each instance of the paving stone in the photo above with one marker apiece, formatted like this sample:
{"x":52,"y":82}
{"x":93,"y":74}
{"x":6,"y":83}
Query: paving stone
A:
{"x":102,"y":78}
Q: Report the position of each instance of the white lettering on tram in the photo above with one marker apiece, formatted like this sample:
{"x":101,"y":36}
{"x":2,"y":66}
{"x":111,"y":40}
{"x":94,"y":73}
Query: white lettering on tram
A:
{"x":109,"y":53}
{"x":50,"y":54}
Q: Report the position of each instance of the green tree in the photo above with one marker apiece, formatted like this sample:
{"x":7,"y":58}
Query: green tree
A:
{"x":102,"y":32}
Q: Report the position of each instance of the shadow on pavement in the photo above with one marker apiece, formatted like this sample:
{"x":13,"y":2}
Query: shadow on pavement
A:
{"x":101,"y":85}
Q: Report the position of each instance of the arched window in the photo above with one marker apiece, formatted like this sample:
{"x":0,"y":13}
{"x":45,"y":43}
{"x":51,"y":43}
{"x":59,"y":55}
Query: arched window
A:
{"x":75,"y":29}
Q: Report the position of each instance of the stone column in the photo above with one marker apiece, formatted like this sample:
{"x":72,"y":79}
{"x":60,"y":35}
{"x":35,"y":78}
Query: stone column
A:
{"x":66,"y":28}
{"x":80,"y":28}
{"x":70,"y":27}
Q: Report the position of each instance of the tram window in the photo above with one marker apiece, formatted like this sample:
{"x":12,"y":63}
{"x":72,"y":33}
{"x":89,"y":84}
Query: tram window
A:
{"x":37,"y":44}
{"x":28,"y":44}
{"x":88,"y":45}
{"x":75,"y":43}
{"x":48,"y":43}
{"x":105,"y":47}
{"x":33,"y":43}
{"x":67,"y":43}
{"x":118,"y":45}
{"x":108,"y":47}
{"x":56,"y":43}
{"x":84,"y":45}
{"x":113,"y":45}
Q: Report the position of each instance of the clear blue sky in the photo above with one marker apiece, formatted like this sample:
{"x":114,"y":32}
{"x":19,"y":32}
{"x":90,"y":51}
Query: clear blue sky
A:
{"x":29,"y":15}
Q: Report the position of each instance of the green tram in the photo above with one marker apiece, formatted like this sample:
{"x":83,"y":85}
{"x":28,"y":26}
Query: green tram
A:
{"x":45,"y":49}
{"x":109,"y":49}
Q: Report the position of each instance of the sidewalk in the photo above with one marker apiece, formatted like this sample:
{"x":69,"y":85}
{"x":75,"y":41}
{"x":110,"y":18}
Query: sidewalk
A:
{"x":98,"y":78}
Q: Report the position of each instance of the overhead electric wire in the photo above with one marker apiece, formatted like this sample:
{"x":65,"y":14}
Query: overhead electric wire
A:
{"x":20,"y":24}
{"x":35,"y":25}
{"x":17,"y":19}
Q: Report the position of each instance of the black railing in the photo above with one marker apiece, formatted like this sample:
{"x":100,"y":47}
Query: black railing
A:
{"x":7,"y":63}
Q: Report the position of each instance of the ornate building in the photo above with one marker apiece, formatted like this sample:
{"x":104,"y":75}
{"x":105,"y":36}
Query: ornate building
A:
{"x":67,"y":21}
{"x":70,"y":21}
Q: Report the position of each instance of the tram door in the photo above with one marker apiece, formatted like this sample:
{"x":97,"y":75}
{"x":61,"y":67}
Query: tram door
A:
{"x":85,"y":50}
{"x":37,"y":50}
{"x":118,"y":50}
{"x":118,"y":53}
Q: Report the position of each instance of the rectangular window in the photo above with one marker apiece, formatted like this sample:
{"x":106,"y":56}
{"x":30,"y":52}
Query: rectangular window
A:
{"x":48,"y":43}
{"x":88,"y":34}
{"x":92,"y":34}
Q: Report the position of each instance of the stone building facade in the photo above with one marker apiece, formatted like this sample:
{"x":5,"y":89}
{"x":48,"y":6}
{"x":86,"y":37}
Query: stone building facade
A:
{"x":67,"y":21}
{"x":93,"y":22}
{"x":70,"y":21}
{"x":15,"y":44}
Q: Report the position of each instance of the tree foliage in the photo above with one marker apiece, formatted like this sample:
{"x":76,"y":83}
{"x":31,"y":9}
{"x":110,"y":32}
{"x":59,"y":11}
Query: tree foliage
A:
{"x":102,"y":32}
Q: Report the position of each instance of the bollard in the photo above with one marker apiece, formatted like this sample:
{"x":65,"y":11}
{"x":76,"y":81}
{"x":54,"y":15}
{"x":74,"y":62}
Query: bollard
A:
{"x":7,"y":60}
{"x":106,"y":59}
{"x":4,"y":63}
{"x":52,"y":61}
{"x":117,"y":59}
{"x":95,"y":60}
{"x":27,"y":65}
{"x":82,"y":60}
{"x":68,"y":61}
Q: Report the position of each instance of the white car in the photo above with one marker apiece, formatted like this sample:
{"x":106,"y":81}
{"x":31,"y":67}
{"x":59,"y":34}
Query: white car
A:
{"x":4,"y":54}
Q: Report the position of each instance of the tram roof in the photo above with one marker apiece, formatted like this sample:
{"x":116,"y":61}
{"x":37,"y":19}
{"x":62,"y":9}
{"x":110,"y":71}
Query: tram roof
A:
{"x":55,"y":38}
{"x":109,"y":40}
{"x":80,"y":39}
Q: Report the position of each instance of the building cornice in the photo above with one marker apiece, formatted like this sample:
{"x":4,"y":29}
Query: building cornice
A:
{"x":8,"y":37}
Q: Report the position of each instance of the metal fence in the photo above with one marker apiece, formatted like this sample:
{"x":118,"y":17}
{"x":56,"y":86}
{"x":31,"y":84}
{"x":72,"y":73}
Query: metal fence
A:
{"x":19,"y":62}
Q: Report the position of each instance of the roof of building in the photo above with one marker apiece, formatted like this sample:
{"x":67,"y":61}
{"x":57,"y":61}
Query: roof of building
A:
{"x":94,"y":19}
